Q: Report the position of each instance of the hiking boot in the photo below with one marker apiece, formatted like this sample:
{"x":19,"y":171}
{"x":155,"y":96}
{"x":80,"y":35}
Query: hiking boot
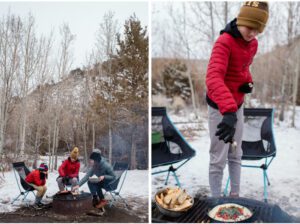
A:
{"x":95,"y":201}
{"x":102,"y":203}
{"x":38,"y":205}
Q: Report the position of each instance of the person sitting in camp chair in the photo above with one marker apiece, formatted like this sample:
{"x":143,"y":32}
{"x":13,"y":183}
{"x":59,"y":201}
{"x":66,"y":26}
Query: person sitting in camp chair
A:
{"x":69,"y":171}
{"x":103,"y":173}
{"x":37,"y":179}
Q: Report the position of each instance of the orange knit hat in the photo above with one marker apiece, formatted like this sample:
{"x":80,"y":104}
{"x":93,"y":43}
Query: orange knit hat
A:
{"x":75,"y":153}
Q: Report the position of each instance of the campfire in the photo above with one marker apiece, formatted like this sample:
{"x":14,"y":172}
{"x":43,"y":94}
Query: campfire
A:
{"x":72,"y":204}
{"x":263,"y":212}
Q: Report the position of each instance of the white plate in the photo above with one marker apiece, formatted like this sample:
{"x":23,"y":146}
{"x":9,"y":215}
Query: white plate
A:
{"x":94,"y":180}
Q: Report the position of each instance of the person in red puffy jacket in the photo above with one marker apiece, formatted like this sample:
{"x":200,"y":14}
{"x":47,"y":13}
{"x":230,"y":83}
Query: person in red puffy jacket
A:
{"x":228,"y":79}
{"x":37,"y":179}
{"x":69,"y":171}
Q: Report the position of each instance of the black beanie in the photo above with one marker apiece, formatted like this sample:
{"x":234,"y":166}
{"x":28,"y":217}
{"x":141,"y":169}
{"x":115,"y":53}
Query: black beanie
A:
{"x":96,"y":157}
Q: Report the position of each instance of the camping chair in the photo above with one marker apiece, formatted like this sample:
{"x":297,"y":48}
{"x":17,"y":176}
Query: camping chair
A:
{"x":24,"y":187}
{"x":168,"y":145}
{"x":258,"y":141}
{"x":115,"y":186}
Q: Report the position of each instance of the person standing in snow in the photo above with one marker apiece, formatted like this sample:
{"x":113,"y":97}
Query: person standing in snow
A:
{"x":228,"y":79}
{"x":105,"y":174}
{"x":37,"y":179}
{"x":69,"y":171}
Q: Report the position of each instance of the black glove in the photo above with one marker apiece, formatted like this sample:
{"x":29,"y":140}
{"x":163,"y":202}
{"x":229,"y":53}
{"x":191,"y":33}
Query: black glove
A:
{"x":246,"y":87}
{"x":43,"y":176}
{"x":65,"y":180}
{"x":226,"y":128}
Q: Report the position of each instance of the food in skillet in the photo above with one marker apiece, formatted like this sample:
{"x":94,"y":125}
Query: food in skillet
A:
{"x":230,"y":213}
{"x":174,"y":199}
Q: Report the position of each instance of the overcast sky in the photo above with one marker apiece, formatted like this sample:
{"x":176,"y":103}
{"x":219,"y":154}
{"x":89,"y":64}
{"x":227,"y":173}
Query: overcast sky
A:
{"x":83,"y":18}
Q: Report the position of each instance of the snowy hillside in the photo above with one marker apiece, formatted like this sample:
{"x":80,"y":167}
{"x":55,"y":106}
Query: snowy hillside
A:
{"x":283,"y":171}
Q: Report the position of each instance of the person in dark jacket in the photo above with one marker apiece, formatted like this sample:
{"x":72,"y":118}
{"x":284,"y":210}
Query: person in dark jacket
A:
{"x":228,"y":79}
{"x":37,"y":179}
{"x":104,"y":174}
{"x":69,"y":171}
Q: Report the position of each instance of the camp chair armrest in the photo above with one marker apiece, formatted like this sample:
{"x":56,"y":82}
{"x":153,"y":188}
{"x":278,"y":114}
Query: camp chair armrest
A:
{"x":113,"y":181}
{"x":29,"y":185}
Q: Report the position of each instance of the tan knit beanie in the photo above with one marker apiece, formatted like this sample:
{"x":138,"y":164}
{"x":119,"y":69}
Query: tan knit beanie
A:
{"x":254,"y":14}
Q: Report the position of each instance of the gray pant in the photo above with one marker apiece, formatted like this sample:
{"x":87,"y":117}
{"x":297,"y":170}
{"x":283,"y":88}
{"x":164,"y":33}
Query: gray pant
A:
{"x":61,"y":184}
{"x":220,"y":152}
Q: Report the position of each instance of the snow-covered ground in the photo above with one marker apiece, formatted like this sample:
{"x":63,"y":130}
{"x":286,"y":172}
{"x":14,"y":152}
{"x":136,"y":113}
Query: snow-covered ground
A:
{"x":283,"y":171}
{"x":135,"y":190}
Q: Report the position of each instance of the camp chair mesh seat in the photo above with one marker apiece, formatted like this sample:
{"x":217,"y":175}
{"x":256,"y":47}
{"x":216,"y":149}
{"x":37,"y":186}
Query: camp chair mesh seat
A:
{"x":25,"y":188}
{"x":115,"y":186}
{"x":258,"y":141}
{"x":168,"y":145}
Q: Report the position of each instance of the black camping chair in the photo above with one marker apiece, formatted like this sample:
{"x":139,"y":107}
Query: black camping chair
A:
{"x":168,"y":145}
{"x":258,"y":141}
{"x":115,"y":186}
{"x":25,"y":188}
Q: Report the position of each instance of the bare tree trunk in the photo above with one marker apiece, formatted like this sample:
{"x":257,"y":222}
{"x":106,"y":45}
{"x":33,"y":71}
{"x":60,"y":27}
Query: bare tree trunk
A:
{"x":31,"y":57}
{"x":10,"y":39}
{"x":37,"y":141}
{"x":1,"y":136}
{"x":110,"y":137}
{"x":225,"y":13}
{"x":211,"y":15}
{"x":54,"y":142}
{"x":181,"y":25}
{"x":189,"y":72}
{"x":295,"y":85}
{"x":283,"y":100}
{"x":93,"y":130}
{"x":23,"y":129}
{"x":49,"y":147}
{"x":133,"y":157}
{"x":84,"y":144}
{"x":3,"y":120}
{"x":56,"y":146}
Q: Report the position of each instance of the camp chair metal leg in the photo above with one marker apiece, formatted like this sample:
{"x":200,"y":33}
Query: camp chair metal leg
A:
{"x":177,"y":180}
{"x":226,"y":187}
{"x":265,"y":186}
{"x":113,"y":199}
{"x":25,"y":195}
{"x":123,"y":199}
{"x":16,"y":198}
{"x":167,"y":179}
{"x":268,"y":179}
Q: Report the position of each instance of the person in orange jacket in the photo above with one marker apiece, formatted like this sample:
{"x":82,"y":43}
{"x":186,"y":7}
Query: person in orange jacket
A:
{"x":37,"y":179}
{"x":69,"y":171}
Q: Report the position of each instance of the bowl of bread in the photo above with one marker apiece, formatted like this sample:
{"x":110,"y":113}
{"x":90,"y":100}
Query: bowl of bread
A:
{"x":173,"y":201}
